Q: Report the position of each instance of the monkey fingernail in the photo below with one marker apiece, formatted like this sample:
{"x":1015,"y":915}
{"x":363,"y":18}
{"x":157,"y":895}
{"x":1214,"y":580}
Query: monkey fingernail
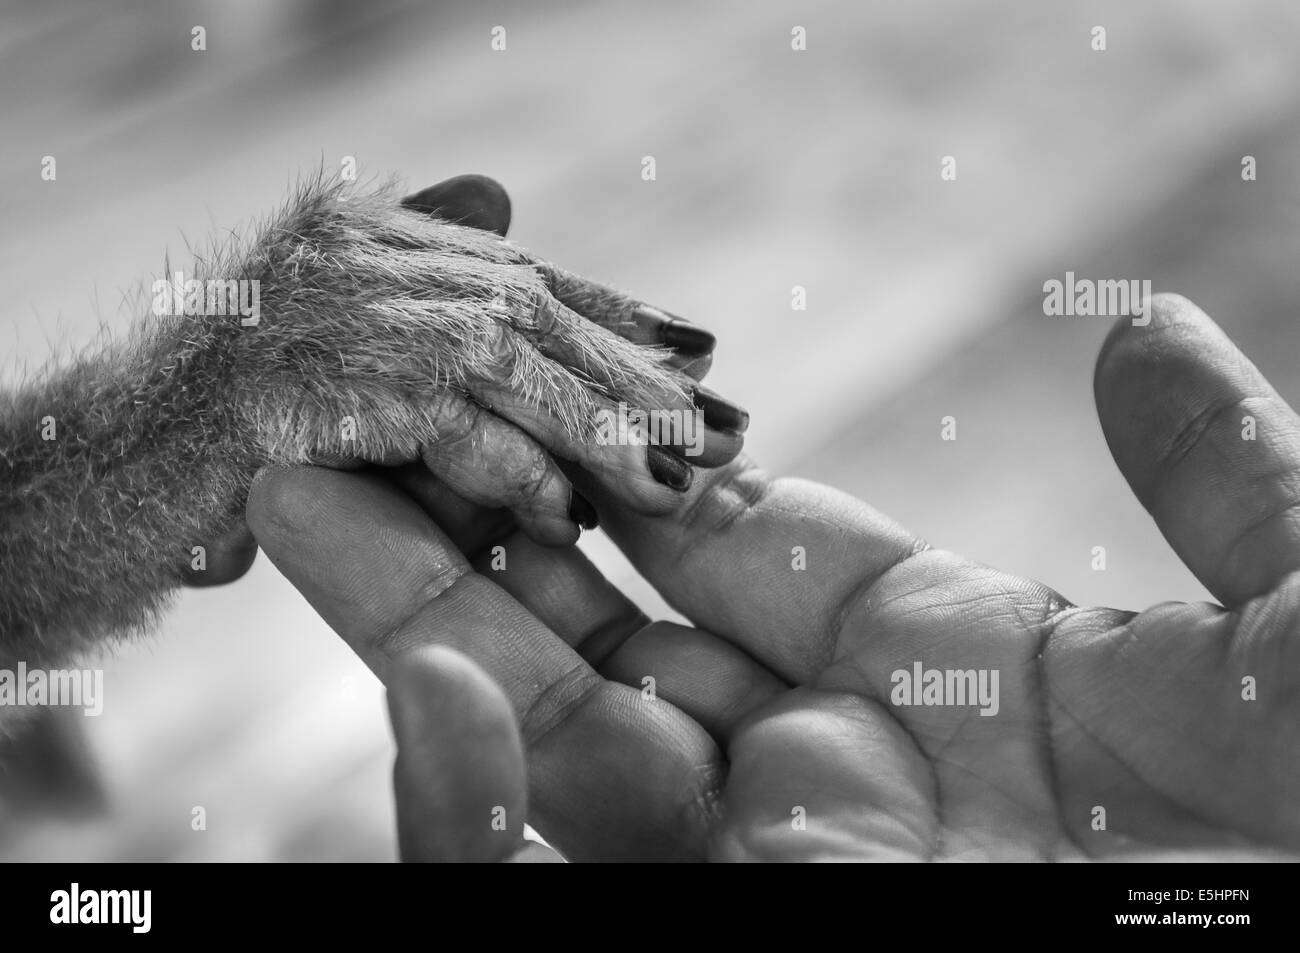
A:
{"x":581,"y":511}
{"x":696,"y":368}
{"x":677,"y":333}
{"x":669,"y":469}
{"x":688,"y":339}
{"x":720,"y":412}
{"x":710,"y":448}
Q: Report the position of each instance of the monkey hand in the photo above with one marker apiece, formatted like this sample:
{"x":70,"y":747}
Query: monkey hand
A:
{"x":350,"y":330}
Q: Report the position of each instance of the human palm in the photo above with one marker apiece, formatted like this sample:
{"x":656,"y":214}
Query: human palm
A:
{"x":1113,"y":734}
{"x":770,"y":730}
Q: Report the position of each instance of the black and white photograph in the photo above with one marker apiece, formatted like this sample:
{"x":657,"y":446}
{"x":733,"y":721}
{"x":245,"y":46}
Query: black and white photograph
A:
{"x":595,"y":431}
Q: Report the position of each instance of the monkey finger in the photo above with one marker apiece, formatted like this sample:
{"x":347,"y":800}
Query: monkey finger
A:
{"x":493,"y":463}
{"x":696,"y":368}
{"x":646,"y":478}
{"x":646,"y":439}
{"x":481,"y":202}
{"x":632,"y":319}
{"x":711,"y":432}
{"x":472,"y":528}
{"x":671,"y":409}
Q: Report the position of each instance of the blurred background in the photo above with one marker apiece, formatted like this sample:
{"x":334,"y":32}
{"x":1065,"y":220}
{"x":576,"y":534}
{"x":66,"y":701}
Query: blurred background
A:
{"x":775,"y":169}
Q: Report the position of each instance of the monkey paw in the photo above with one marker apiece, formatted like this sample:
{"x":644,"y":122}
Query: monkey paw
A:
{"x":385,"y":335}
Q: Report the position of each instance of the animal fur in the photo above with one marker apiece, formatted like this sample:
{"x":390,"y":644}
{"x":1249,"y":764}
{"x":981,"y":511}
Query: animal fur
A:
{"x":368,"y":311}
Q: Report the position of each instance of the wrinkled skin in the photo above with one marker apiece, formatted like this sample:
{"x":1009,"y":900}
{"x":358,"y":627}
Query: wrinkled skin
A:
{"x":770,"y":734}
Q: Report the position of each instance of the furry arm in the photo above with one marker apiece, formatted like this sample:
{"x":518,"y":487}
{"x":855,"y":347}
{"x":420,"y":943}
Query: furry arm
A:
{"x":374,"y":324}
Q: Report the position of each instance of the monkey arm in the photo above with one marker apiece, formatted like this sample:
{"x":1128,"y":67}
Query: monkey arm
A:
{"x":353,"y":331}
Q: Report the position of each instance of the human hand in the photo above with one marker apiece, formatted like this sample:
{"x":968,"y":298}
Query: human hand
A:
{"x":772,"y":731}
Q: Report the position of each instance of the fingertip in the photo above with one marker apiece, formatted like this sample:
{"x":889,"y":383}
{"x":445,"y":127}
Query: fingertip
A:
{"x":696,"y":368}
{"x":668,"y":469}
{"x":720,"y":412}
{"x":556,"y":514}
{"x":429,"y":681}
{"x":281,"y":501}
{"x":621,"y":478}
{"x":1152,"y":379}
{"x":1129,"y":339}
{"x":502,"y":467}
{"x":546,"y":530}
{"x":460,"y":778}
{"x":715,"y":448}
